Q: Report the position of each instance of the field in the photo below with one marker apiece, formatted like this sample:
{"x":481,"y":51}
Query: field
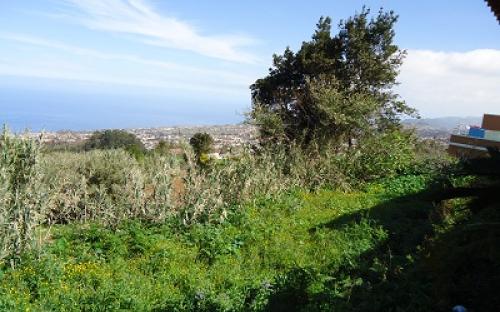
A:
{"x":101,"y":231}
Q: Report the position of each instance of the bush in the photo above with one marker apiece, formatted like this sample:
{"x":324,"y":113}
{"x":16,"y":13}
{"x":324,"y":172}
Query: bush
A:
{"x":382,"y":155}
{"x":202,"y":144}
{"x":163,"y":148}
{"x":22,"y":196}
{"x":107,"y":186}
{"x":115,"y":139}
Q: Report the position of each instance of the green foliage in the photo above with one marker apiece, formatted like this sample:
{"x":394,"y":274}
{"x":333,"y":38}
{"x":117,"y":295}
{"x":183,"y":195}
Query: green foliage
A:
{"x":383,"y":155}
{"x":63,"y":147}
{"x":107,"y":186}
{"x":136,"y":151}
{"x":431,"y":157}
{"x":163,"y":148}
{"x":282,"y":227}
{"x":336,"y":87}
{"x":302,"y":251}
{"x":466,"y":262}
{"x":276,"y":228}
{"x":338,"y":114}
{"x":110,"y":186}
{"x":115,"y":139}
{"x":201,"y":143}
{"x":235,"y":266}
{"x":22,"y":196}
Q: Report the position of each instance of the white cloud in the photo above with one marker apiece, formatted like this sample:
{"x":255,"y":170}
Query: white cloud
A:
{"x":137,"y":18}
{"x":78,"y":63}
{"x":452,"y":83}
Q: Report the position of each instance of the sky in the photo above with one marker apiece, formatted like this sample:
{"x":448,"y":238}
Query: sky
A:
{"x":89,"y":64}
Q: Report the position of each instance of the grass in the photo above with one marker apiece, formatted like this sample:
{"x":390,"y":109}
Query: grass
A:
{"x":102,"y":231}
{"x":309,"y":251}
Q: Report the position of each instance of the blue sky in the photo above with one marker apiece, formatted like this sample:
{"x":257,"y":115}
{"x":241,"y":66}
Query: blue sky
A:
{"x":129,"y":63}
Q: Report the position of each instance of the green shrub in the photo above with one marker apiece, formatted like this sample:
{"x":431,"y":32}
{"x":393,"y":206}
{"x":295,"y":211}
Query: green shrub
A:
{"x":382,"y":155}
{"x":296,"y":250}
{"x":201,"y":143}
{"x":116,"y":139}
{"x":107,"y":186}
{"x":229,"y":267}
{"x":22,"y":196}
{"x":163,"y":148}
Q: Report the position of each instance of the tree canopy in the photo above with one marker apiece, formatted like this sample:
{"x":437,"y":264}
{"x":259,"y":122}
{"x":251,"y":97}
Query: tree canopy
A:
{"x":336,"y":87}
{"x":114,"y":139}
{"x":201,"y":143}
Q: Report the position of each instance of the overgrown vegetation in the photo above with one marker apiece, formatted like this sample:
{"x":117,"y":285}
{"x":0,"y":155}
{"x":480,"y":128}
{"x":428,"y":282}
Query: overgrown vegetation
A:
{"x":22,"y":201}
{"x":202,"y":144}
{"x":278,"y":230}
{"x":337,"y":210}
{"x":114,"y":139}
{"x":110,"y":186}
{"x":377,"y":249}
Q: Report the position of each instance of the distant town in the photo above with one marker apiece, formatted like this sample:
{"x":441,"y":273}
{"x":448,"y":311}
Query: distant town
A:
{"x":241,"y":134}
{"x":223,"y":135}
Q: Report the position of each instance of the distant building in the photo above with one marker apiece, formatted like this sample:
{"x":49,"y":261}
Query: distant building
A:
{"x":478,"y":139}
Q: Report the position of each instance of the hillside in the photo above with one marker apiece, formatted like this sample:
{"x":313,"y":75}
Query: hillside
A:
{"x":279,"y":230}
{"x":325,"y":199}
{"x":357,"y":251}
{"x":440,"y":128}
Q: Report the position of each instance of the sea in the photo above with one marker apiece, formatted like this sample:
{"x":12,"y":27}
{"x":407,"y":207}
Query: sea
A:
{"x":41,"y":110}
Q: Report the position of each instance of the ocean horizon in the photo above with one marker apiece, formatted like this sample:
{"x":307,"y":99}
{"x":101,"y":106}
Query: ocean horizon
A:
{"x":41,"y":110}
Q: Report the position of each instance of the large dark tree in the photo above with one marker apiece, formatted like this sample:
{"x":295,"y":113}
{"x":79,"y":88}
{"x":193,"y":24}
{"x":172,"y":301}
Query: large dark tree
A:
{"x":336,"y":87}
{"x":114,"y":139}
{"x":202,"y":143}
